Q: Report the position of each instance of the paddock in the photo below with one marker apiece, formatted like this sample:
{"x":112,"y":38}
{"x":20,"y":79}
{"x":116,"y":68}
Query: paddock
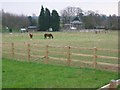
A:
{"x":104,"y":43}
{"x":81,"y":50}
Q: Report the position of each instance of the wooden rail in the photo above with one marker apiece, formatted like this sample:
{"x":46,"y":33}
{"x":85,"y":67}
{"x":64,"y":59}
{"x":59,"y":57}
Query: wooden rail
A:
{"x":108,"y":57}
{"x":30,"y":50}
{"x":111,"y":86}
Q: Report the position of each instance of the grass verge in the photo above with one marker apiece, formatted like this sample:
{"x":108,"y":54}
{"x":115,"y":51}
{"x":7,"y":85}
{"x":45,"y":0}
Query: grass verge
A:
{"x":35,"y":75}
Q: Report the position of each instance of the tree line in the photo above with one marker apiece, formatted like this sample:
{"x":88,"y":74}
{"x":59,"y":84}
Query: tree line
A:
{"x":47,"y":19}
{"x":14,"y":21}
{"x":91,"y":19}
{"x":44,"y":21}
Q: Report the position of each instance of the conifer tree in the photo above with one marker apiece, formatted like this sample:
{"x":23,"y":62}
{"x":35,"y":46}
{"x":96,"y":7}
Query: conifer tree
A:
{"x":55,"y":20}
{"x":41,"y":20}
{"x":47,"y":19}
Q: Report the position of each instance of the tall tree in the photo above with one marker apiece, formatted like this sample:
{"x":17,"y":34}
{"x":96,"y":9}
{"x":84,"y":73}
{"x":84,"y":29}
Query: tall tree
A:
{"x":114,"y":20}
{"x":30,"y":20}
{"x":41,"y":20}
{"x":47,"y":19}
{"x":55,"y":20}
{"x":118,"y":22}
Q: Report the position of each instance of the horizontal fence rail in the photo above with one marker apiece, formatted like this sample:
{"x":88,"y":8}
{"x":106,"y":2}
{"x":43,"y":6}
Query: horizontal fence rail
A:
{"x":111,"y":86}
{"x":67,"y":54}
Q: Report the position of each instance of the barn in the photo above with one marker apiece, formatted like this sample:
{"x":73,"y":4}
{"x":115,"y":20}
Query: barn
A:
{"x":32,"y":28}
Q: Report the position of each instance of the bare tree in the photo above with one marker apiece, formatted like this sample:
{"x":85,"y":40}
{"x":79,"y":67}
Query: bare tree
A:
{"x":69,"y":13}
{"x":14,"y":21}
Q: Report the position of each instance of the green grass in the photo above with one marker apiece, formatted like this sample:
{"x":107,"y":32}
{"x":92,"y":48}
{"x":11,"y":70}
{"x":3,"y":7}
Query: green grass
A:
{"x":102,"y":40}
{"x":35,"y":75}
{"x":75,"y":39}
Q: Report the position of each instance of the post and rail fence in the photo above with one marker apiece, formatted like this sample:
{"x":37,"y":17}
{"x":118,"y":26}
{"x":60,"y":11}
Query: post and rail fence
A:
{"x":28,"y":49}
{"x":113,"y":85}
{"x":28,"y":52}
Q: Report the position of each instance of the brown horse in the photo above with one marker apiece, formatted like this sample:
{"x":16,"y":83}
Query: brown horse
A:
{"x":30,"y":35}
{"x":48,"y":35}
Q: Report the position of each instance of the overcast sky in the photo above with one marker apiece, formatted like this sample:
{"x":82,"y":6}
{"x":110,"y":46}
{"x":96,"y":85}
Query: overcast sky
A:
{"x":29,"y":7}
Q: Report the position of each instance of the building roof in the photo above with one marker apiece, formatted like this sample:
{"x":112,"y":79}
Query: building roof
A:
{"x":76,"y":20}
{"x":32,"y":27}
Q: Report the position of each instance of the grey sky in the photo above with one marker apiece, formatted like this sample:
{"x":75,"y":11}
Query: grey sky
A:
{"x":33,"y":6}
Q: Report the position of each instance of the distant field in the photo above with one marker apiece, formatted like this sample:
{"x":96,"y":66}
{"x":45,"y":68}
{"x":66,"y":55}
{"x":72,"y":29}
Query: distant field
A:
{"x":78,"y":39}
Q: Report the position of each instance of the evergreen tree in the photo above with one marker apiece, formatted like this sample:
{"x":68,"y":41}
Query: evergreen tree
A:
{"x":41,"y":20}
{"x":47,"y":19}
{"x":32,"y":21}
{"x":55,"y":20}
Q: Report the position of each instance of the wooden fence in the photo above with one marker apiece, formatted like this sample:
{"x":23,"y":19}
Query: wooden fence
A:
{"x":27,"y":50}
{"x":111,"y":86}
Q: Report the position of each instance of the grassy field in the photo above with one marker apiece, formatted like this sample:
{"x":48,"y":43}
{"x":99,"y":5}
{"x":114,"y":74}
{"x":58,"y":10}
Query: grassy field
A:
{"x":32,"y":75}
{"x":24,"y":74}
{"x":78,"y":39}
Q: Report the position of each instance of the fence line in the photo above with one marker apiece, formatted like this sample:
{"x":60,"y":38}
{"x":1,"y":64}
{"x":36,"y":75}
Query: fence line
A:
{"x":68,"y":52}
{"x":111,"y":86}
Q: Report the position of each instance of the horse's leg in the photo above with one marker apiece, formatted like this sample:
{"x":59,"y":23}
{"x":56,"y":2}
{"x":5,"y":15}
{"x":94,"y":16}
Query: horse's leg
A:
{"x":44,"y":36}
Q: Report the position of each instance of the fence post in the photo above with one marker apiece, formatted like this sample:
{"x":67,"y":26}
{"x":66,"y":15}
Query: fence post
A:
{"x":28,"y":51}
{"x":68,"y":56}
{"x":94,"y":57}
{"x":13,"y":53}
{"x":46,"y":55}
{"x":112,"y":85}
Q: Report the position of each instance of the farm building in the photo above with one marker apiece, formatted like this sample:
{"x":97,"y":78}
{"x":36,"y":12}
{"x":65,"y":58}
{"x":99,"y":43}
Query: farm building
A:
{"x":99,"y":27}
{"x":76,"y":23}
{"x":32,"y":28}
{"x":23,"y":30}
